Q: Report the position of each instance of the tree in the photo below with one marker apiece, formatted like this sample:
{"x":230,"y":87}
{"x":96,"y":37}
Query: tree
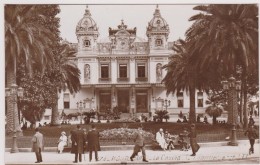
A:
{"x":64,"y":75}
{"x":182,"y":76}
{"x":27,"y":40}
{"x":59,"y":75}
{"x":224,"y":37}
{"x":161,"y":114}
{"x":215,"y":108}
{"x":214,"y":111}
{"x":38,"y":94}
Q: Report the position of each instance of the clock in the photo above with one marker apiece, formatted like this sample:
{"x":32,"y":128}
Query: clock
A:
{"x":123,"y":44}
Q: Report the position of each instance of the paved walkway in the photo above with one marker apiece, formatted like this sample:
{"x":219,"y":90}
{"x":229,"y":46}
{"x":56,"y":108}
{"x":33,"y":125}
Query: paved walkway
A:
{"x":217,"y":152}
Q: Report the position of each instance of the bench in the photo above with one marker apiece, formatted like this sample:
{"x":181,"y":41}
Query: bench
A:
{"x":176,"y":144}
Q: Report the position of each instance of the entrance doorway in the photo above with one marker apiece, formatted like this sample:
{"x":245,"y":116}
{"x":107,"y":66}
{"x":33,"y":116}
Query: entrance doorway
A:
{"x":123,"y":101}
{"x":141,"y":102}
{"x":104,"y":101}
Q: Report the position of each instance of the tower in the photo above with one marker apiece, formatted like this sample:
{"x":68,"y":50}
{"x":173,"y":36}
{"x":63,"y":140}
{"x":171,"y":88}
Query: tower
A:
{"x":157,"y":33}
{"x":87,"y":34}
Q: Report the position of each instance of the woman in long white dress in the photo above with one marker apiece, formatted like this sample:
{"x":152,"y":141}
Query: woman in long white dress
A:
{"x":62,"y":142}
{"x":160,"y":139}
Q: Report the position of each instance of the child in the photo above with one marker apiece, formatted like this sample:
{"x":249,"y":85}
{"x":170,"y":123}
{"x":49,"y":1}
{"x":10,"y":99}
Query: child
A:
{"x":169,"y":141}
{"x":184,"y":140}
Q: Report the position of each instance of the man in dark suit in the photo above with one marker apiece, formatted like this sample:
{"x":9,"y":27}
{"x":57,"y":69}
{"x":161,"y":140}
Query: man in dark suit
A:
{"x":37,"y":146}
{"x":77,"y":138}
{"x":93,"y":142}
{"x":139,"y":145}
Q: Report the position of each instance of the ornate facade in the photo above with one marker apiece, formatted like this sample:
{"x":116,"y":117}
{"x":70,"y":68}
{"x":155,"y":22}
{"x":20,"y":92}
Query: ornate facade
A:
{"x":125,"y":70}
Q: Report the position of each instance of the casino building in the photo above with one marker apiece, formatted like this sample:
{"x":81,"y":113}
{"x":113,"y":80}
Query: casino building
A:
{"x":125,"y":70}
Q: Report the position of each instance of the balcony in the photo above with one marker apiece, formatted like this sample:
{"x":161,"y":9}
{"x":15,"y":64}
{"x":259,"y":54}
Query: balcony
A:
{"x":141,"y":79}
{"x":123,"y":79}
{"x":104,"y":79}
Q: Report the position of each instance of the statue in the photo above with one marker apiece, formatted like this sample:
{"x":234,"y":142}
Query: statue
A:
{"x":87,"y":71}
{"x":159,"y":71}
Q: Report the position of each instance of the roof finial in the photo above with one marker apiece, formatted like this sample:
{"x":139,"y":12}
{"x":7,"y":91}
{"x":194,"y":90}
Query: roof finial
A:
{"x":87,"y":12}
{"x":157,"y":11}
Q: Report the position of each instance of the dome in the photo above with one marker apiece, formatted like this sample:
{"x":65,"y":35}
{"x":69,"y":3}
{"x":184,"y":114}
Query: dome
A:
{"x":157,"y":22}
{"x":86,"y":23}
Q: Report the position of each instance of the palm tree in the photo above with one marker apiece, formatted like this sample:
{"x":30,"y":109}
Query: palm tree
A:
{"x":26,"y":39}
{"x":180,"y":75}
{"x":162,"y":114}
{"x":67,"y":77}
{"x":215,"y":107}
{"x":224,"y":36}
{"x":214,"y":111}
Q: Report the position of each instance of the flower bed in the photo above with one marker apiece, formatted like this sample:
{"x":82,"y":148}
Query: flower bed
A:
{"x":124,"y":134}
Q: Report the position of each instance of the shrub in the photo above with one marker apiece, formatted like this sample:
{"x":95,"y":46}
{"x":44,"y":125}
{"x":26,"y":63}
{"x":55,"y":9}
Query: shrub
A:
{"x":161,"y":114}
{"x":123,"y":133}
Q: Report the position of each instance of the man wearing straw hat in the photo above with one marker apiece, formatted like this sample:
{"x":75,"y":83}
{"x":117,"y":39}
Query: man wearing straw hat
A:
{"x":139,"y":144}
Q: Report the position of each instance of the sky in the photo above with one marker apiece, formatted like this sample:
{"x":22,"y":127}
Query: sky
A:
{"x":137,"y":16}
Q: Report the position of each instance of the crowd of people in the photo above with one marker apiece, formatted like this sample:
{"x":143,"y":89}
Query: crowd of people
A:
{"x":81,"y":140}
{"x":166,"y":141}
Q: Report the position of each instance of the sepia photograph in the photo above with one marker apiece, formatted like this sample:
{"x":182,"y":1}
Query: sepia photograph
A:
{"x":130,"y":83}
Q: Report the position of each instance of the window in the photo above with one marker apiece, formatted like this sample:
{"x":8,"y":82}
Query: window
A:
{"x":141,"y":70}
{"x":46,"y":117}
{"x":87,"y":43}
{"x":180,"y":99}
{"x":66,"y":100}
{"x":104,"y":71}
{"x":122,"y":71}
{"x":158,"y":42}
{"x":200,"y":99}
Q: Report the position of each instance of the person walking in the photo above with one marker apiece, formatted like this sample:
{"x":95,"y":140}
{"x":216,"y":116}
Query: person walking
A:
{"x":62,"y":142}
{"x":139,"y":144}
{"x":93,"y":142}
{"x":37,"y":145}
{"x":193,"y":141}
{"x":252,"y":135}
{"x":77,"y":139}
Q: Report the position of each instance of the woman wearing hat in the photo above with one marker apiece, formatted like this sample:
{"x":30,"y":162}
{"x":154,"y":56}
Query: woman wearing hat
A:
{"x":62,"y":142}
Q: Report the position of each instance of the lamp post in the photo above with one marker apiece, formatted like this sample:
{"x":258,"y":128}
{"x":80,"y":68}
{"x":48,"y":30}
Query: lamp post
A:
{"x":166,"y":103}
{"x":232,"y":86}
{"x":80,"y":107}
{"x":13,"y":92}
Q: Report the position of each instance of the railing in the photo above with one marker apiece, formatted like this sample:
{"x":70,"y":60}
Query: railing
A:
{"x":105,"y":79}
{"x":123,"y":79}
{"x":141,"y":79}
